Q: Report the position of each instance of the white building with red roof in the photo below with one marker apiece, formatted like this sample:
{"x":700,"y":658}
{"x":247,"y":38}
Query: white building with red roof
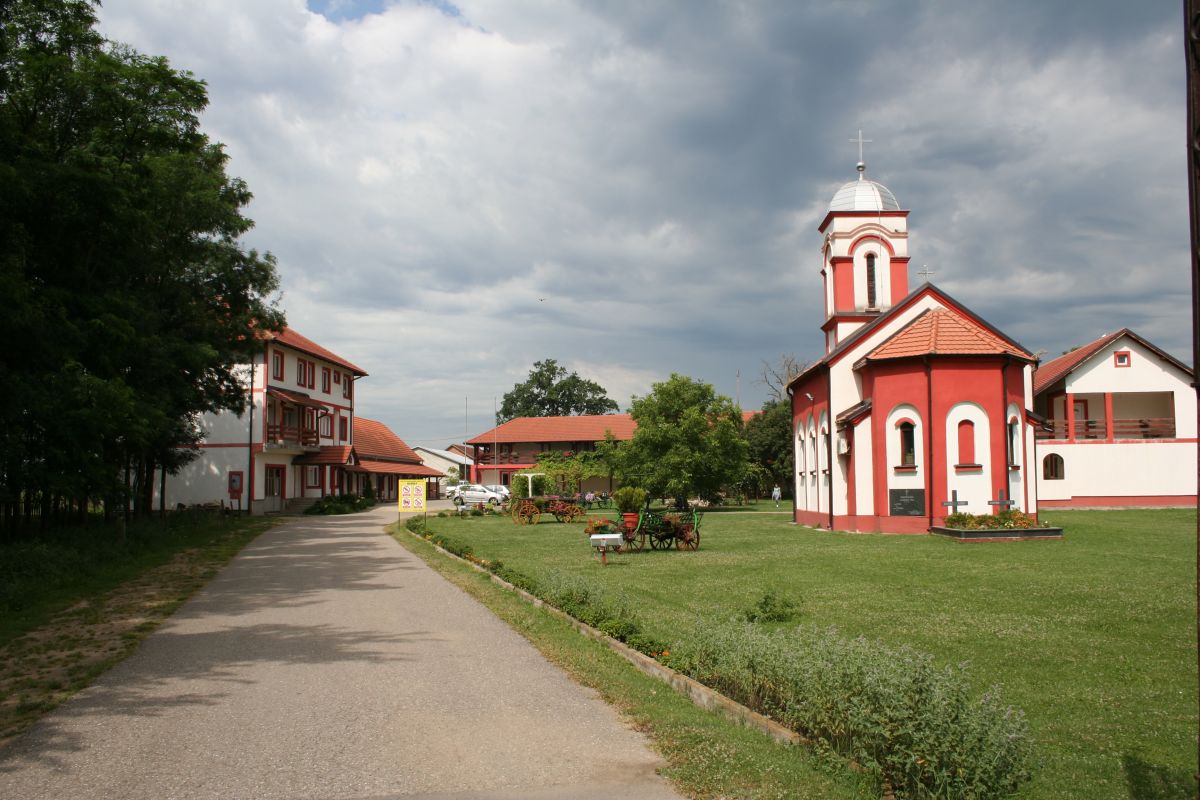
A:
{"x":919,"y":406}
{"x":297,"y":440}
{"x":1120,"y":429}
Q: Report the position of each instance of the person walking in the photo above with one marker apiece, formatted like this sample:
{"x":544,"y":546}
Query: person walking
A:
{"x":776,"y":494}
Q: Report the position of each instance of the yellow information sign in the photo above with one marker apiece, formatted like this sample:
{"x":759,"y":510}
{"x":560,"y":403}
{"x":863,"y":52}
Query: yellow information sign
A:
{"x":412,"y":495}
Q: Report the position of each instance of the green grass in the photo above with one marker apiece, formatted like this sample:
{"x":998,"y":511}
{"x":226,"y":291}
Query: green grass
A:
{"x":708,"y":755}
{"x":1093,"y":637}
{"x":43,"y":573}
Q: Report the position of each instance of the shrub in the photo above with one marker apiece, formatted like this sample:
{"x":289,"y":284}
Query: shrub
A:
{"x":771,"y":608}
{"x":907,"y":721}
{"x":340,"y":504}
{"x":629,"y":499}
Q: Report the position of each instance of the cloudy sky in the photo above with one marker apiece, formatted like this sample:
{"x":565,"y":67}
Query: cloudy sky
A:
{"x":456,"y":190}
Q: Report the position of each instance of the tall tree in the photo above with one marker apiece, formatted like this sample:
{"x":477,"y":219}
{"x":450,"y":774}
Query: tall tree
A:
{"x":550,"y":391}
{"x":776,"y":376}
{"x":769,"y":436}
{"x":129,"y":297}
{"x":688,"y":441}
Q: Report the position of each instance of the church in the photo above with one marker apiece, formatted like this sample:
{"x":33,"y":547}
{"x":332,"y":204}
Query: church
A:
{"x":919,"y":407}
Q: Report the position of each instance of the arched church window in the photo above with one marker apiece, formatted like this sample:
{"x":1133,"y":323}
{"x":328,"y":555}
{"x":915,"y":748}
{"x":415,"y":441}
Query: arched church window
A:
{"x":1053,"y":468}
{"x":1013,"y":431}
{"x":908,"y":444}
{"x":966,"y":442}
{"x":870,"y":280}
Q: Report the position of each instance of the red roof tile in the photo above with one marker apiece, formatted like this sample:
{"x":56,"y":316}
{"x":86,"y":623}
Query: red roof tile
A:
{"x":560,"y":429}
{"x":398,"y":468}
{"x":944,"y":333}
{"x":294,"y":340}
{"x":328,"y":454}
{"x":1054,"y":369}
{"x":374,"y":440}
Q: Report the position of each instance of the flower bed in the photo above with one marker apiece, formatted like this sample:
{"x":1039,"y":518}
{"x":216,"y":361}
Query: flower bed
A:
{"x":1003,"y":527}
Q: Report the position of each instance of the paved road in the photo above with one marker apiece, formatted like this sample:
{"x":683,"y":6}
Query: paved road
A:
{"x":327,"y":662}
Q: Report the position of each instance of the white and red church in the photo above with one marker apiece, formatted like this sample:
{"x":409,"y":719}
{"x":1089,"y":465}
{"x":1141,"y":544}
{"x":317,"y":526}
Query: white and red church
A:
{"x":919,"y":407}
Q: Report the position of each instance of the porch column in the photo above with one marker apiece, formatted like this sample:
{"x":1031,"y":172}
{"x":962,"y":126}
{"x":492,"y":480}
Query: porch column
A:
{"x":1109,"y":434}
{"x":1070,"y":401}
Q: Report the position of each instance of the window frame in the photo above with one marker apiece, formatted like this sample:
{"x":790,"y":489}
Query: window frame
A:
{"x":1058,"y":474}
{"x":277,"y":367}
{"x":326,"y":380}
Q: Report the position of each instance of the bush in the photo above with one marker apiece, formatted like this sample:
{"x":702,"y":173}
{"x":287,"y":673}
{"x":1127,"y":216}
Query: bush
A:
{"x":629,"y":499}
{"x":771,"y":608}
{"x":910,"y":723}
{"x":340,"y":504}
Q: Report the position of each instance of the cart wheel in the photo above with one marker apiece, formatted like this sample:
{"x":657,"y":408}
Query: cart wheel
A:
{"x":688,"y":539}
{"x":533,"y":517}
{"x":659,"y":543}
{"x":515,"y":513}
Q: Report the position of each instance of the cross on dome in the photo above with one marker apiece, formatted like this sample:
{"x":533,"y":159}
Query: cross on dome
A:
{"x":862,"y":165}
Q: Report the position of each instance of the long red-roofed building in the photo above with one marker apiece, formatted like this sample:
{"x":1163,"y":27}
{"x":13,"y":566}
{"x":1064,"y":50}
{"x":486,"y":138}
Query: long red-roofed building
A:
{"x":515,"y":445}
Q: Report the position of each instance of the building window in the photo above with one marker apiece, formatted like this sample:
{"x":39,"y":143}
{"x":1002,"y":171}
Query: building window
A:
{"x":966,"y":442}
{"x":346,"y":384}
{"x":343,"y":428}
{"x":1053,"y":468}
{"x":277,"y":365}
{"x":871,"y":280}
{"x":1122,"y":359}
{"x":326,"y":423}
{"x":337,"y":376}
{"x":312,"y":477}
{"x":326,"y":380}
{"x":1013,"y":430}
{"x":908,"y":444}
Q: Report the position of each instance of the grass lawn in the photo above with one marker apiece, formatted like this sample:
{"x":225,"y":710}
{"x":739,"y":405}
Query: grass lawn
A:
{"x":1093,"y":637}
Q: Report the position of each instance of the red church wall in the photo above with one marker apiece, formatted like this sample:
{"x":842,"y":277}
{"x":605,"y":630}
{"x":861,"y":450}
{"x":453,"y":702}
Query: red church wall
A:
{"x":899,"y":278}
{"x":954,"y":381}
{"x":843,"y":284}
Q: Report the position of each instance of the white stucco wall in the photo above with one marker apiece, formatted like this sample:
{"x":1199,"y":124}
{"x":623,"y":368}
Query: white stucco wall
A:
{"x":1121,"y":469}
{"x":973,"y":486}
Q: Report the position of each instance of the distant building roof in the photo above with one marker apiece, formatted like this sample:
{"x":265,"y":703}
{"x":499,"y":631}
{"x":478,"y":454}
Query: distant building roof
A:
{"x":375,"y":441}
{"x":457,"y":458}
{"x":401,"y":468}
{"x":559,"y":429}
{"x":294,"y":340}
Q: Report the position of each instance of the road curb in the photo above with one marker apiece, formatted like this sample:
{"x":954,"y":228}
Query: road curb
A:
{"x":698,"y":693}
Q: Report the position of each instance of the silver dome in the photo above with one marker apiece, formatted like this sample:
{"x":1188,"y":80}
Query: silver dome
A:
{"x":864,"y":195}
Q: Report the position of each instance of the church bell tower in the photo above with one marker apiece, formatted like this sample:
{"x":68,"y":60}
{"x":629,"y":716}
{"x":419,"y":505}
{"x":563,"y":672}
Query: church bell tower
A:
{"x":864,"y":255}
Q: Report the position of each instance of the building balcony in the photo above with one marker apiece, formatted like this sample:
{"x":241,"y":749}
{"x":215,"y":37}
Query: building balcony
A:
{"x":291,"y":437}
{"x":1122,"y":429}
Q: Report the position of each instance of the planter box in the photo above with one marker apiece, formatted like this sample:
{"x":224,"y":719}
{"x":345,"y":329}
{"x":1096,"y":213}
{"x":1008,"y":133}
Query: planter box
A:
{"x":998,"y":534}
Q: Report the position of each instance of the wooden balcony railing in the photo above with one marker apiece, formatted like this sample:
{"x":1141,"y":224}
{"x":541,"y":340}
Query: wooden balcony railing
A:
{"x":292,"y":435}
{"x":1088,"y":429}
{"x":504,"y":458}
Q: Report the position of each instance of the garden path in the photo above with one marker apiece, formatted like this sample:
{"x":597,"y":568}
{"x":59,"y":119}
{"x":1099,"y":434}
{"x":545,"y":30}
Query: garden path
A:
{"x":327,"y":662}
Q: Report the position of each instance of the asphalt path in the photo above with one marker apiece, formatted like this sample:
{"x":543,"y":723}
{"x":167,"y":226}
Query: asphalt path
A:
{"x":327,"y":662}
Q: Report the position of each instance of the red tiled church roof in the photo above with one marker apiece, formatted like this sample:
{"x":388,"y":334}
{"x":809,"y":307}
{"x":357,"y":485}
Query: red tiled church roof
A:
{"x":294,"y":340}
{"x":374,"y":441}
{"x":944,"y":333}
{"x":560,"y":429}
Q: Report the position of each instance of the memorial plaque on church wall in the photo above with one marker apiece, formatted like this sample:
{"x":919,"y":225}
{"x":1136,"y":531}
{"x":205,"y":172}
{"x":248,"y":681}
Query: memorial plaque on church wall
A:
{"x":906,"y":502}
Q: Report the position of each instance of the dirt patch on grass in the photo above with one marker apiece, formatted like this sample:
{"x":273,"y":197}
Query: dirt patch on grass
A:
{"x":44,"y":667}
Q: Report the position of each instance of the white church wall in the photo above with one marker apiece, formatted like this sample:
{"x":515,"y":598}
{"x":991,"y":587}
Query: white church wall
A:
{"x":864,"y":473}
{"x":973,"y":486}
{"x":1016,"y":470}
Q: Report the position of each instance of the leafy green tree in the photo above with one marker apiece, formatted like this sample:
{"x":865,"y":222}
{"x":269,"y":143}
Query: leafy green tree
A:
{"x":769,"y":436}
{"x":129,"y":297}
{"x":688,"y":441}
{"x":550,"y":391}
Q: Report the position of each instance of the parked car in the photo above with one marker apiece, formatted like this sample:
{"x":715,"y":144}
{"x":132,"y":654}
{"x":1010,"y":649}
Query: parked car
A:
{"x":474,"y":493}
{"x":451,"y":489}
{"x":500,"y":490}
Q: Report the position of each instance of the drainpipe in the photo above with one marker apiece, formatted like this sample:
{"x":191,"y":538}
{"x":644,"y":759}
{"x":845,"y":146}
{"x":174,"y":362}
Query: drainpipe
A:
{"x":929,"y":459}
{"x":1008,"y":457}
{"x":829,"y":439}
{"x":250,"y":444}
{"x":792,"y":444}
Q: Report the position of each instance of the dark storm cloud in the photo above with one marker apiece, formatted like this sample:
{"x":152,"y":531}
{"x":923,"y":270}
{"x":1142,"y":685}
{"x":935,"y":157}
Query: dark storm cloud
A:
{"x":634,"y":188}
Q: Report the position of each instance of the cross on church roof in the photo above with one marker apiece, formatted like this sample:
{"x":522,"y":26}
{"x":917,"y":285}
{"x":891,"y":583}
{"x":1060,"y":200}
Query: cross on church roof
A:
{"x":926,"y":272}
{"x":862,"y":165}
